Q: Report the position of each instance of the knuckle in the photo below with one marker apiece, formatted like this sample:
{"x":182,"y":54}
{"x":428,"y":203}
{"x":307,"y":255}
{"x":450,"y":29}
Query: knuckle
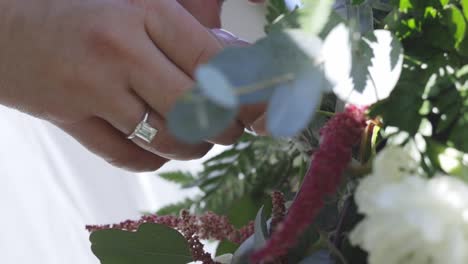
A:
{"x":203,"y":55}
{"x":102,"y":40}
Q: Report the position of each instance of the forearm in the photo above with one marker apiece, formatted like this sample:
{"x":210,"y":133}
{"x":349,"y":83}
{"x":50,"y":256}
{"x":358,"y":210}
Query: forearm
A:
{"x":19,"y":39}
{"x":6,"y":17}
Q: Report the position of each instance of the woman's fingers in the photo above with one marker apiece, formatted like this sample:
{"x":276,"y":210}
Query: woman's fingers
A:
{"x":179,"y":35}
{"x":159,"y":83}
{"x":207,"y":12}
{"x":105,"y":141}
{"x":129,"y":110}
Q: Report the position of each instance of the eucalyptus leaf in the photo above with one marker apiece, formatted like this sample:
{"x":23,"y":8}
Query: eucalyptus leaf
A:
{"x":261,"y":229}
{"x":257,"y":70}
{"x":293,"y":105}
{"x":216,"y":87}
{"x":242,"y":254}
{"x":194,"y":118}
{"x":152,"y":243}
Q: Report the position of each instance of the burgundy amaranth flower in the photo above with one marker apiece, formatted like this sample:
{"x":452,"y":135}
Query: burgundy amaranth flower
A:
{"x":189,"y":229}
{"x":208,"y":226}
{"x":132,"y":226}
{"x":245,"y":232}
{"x":338,"y":137}
{"x":278,"y":210}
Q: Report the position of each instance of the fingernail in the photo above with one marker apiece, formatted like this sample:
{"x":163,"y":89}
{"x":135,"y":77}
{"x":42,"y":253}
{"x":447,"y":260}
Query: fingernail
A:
{"x":228,"y":39}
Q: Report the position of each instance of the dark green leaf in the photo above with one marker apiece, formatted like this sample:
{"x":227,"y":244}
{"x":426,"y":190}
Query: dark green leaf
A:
{"x":151,"y":244}
{"x":465,"y":8}
{"x":179,"y":177}
{"x":243,"y":210}
{"x":459,"y":135}
{"x":226,"y":247}
{"x":401,"y":109}
{"x":456,"y":24}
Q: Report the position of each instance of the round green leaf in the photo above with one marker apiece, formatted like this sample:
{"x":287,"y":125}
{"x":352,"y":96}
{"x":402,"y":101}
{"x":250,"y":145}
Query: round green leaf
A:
{"x":293,"y":105}
{"x":194,"y":118}
{"x":257,"y":70}
{"x":152,"y":243}
{"x":215,"y":86}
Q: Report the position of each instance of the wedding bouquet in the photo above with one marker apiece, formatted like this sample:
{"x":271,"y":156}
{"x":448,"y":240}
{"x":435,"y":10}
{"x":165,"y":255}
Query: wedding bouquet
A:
{"x":367,"y":155}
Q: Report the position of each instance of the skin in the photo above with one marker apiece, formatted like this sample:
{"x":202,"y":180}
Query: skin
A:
{"x":93,"y":67}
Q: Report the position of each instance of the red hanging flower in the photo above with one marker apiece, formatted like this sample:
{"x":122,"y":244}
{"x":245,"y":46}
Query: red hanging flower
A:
{"x":338,"y":137}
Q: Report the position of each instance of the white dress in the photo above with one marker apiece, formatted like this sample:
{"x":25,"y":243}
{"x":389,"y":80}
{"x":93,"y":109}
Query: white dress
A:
{"x":51,"y":187}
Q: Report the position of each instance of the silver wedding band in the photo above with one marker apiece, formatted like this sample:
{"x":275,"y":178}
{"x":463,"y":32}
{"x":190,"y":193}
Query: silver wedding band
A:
{"x":144,"y":130}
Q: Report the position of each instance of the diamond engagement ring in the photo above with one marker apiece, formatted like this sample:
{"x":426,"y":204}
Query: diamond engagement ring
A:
{"x":144,"y":130}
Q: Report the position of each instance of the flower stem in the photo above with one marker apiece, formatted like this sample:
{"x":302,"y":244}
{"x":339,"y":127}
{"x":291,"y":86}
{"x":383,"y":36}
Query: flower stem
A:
{"x":248,"y":89}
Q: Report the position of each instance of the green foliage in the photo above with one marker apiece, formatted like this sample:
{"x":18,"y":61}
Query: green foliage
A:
{"x":174,"y":209}
{"x":242,"y":176}
{"x":282,"y":61}
{"x":429,"y":101}
{"x":151,"y":244}
{"x":421,"y":102}
{"x":179,"y":177}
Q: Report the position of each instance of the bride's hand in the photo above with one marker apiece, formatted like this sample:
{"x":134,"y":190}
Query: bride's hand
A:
{"x":94,"y":67}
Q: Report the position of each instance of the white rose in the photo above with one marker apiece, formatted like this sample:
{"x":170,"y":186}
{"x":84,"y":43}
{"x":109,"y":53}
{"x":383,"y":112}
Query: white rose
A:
{"x":411,"y":219}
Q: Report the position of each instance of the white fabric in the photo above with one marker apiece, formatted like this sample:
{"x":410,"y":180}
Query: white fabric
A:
{"x":51,"y":187}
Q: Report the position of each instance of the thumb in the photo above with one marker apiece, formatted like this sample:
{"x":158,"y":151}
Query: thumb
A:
{"x":227,"y":39}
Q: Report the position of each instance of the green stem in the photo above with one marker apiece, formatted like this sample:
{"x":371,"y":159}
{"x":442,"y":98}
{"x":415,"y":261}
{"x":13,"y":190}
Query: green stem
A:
{"x":375,"y":136}
{"x":326,"y":113}
{"x":264,"y":84}
{"x":335,"y":251}
{"x":413,"y":60}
